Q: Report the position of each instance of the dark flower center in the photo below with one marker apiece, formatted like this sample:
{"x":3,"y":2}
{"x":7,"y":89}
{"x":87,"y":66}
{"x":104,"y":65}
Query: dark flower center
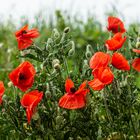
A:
{"x":73,"y":90}
{"x":22,"y":76}
{"x":24,"y":32}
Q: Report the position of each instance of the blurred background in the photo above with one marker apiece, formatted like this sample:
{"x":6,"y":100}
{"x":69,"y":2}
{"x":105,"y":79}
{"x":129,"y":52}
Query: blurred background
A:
{"x":15,"y":9}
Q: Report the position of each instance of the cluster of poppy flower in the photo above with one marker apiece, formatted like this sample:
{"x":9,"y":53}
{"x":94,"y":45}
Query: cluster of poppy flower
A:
{"x":23,"y":75}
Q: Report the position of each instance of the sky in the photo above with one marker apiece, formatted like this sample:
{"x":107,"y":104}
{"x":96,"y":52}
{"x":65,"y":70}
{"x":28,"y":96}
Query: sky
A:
{"x":129,"y":10}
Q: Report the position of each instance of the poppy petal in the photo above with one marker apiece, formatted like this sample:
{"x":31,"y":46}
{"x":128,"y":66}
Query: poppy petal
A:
{"x":120,"y":62}
{"x":68,"y":85}
{"x":24,"y":28}
{"x":136,"y":51}
{"x":74,"y":101}
{"x":82,"y":88}
{"x":136,"y":64}
{"x":96,"y":84}
{"x":23,"y":76}
{"x":2,"y":88}
{"x":105,"y":75}
{"x":115,"y":25}
{"x":24,"y":37}
{"x":116,"y":42}
{"x":29,"y":101}
{"x":99,"y":59}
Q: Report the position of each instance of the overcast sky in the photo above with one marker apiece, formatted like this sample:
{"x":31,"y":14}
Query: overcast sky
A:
{"x":129,"y":9}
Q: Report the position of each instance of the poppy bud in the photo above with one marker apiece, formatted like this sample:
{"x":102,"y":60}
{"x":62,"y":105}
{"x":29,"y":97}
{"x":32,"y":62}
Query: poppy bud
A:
{"x":49,"y":43}
{"x":63,"y":37}
{"x":138,"y":42}
{"x":56,"y":34}
{"x":48,"y":94}
{"x":89,"y":47}
{"x":85,"y":65}
{"x":10,"y":84}
{"x":71,"y":52}
{"x":138,"y":39}
{"x":88,"y":55}
{"x":55,"y":61}
{"x":88,"y":51}
{"x":138,"y":45}
{"x":66,"y":30}
{"x":57,"y":66}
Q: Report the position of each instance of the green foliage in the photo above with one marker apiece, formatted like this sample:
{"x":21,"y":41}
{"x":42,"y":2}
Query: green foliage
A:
{"x":58,"y":53}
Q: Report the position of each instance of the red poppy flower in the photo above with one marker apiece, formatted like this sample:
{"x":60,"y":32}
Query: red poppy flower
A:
{"x":102,"y":77}
{"x":120,"y":62}
{"x":116,"y":42}
{"x":2,"y":89}
{"x":23,"y":76}
{"x":30,"y":101}
{"x":73,"y":99}
{"x":99,"y":59}
{"x":24,"y":37}
{"x":115,"y":25}
{"x":136,"y":64}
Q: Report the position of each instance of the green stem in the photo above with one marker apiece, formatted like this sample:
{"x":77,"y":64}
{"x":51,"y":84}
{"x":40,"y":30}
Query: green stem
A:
{"x":134,"y":130}
{"x":66,"y":66}
{"x":106,"y":107}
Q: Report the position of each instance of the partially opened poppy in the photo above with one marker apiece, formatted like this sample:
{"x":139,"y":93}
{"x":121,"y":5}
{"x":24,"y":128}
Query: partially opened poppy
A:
{"x":30,"y":101}
{"x":116,"y":42}
{"x":120,"y":62}
{"x":2,"y":89}
{"x":24,"y":37}
{"x":102,"y":77}
{"x":74,"y":99}
{"x":99,"y":59}
{"x":115,"y":25}
{"x":23,"y":76}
